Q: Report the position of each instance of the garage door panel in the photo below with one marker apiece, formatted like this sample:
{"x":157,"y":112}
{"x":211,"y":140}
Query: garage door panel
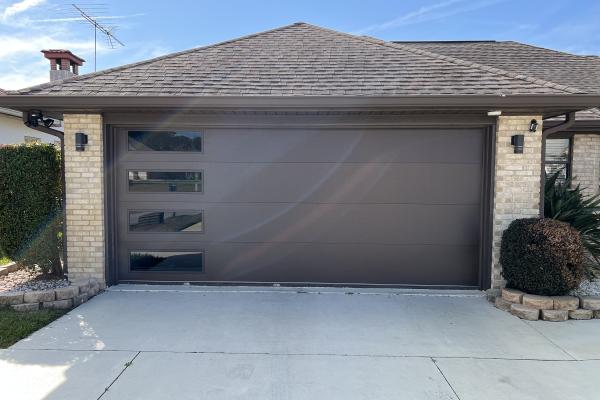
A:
{"x":333,"y":145}
{"x":331,"y":263}
{"x":354,"y":206}
{"x":334,"y":223}
{"x":325,"y":183}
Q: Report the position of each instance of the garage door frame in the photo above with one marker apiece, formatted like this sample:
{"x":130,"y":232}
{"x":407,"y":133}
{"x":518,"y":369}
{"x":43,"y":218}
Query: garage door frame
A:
{"x":113,"y":122}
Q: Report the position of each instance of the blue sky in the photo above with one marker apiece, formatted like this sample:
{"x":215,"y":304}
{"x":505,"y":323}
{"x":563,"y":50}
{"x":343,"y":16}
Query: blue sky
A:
{"x":153,"y":28}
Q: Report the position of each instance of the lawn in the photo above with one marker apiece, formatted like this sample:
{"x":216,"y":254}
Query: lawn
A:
{"x":15,"y":326}
{"x":4,"y":260}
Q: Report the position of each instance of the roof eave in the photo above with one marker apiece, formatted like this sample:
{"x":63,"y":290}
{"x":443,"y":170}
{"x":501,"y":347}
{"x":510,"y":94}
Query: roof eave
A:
{"x":507,"y":103}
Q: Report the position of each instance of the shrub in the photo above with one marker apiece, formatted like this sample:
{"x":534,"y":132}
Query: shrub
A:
{"x":542,"y":256}
{"x":30,"y":199}
{"x":582,"y":212}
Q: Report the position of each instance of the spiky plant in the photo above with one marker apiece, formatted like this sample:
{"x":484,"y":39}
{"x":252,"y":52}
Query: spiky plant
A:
{"x":582,"y":212}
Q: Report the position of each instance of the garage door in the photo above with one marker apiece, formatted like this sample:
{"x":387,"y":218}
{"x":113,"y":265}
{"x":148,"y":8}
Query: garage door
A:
{"x":338,"y":206}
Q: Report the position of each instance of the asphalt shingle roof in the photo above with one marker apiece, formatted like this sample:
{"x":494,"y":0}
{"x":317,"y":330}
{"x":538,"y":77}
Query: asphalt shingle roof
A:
{"x":302,"y":60}
{"x":582,"y":72}
{"x":578,"y":71}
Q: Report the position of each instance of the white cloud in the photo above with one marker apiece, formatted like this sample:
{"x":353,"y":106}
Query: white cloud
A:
{"x":428,"y":13}
{"x":20,"y":7}
{"x":23,"y":75}
{"x":13,"y":45}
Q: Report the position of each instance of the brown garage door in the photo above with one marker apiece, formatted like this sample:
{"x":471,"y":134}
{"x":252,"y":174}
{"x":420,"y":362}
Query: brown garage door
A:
{"x":352,"y":206}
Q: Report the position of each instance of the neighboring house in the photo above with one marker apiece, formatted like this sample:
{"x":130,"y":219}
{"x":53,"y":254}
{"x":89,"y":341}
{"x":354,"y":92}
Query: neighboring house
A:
{"x":303,"y":155}
{"x":13,"y":131}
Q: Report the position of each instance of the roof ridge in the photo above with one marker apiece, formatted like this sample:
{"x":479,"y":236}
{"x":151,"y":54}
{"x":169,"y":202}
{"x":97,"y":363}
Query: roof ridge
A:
{"x":454,"y":60}
{"x":76,"y":78}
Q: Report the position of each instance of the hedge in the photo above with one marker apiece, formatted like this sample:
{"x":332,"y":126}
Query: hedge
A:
{"x":30,"y":205}
{"x":542,"y":256}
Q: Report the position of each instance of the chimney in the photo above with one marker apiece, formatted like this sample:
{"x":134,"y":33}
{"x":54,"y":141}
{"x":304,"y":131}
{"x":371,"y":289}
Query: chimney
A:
{"x":63,"y":64}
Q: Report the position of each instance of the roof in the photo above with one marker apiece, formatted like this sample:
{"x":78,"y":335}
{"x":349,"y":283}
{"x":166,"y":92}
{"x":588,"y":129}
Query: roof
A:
{"x":577,"y":71}
{"x":572,"y":70}
{"x":303,"y":60}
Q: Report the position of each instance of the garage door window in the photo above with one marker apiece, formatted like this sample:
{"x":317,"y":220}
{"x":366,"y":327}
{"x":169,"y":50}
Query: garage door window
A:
{"x":145,"y":221}
{"x":164,"y":141}
{"x":166,"y":261}
{"x":165,"y":181}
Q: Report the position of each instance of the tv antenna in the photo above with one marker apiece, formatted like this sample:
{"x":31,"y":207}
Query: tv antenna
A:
{"x":106,"y":30}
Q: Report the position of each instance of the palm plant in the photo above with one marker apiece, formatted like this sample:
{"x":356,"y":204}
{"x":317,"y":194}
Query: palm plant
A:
{"x":571,"y":205}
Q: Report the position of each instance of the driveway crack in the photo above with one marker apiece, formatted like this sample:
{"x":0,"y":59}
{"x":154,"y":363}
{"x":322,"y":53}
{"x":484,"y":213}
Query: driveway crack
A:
{"x":127,"y":365}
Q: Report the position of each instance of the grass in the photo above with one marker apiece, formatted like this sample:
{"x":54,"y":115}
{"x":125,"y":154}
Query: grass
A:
{"x":4,"y":260}
{"x":15,"y":326}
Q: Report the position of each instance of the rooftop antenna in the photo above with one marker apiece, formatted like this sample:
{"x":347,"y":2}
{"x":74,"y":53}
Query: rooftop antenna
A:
{"x":106,"y":30}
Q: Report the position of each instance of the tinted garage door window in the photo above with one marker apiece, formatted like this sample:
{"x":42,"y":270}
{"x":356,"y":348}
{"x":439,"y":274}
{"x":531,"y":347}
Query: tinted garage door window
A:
{"x":380,"y":206}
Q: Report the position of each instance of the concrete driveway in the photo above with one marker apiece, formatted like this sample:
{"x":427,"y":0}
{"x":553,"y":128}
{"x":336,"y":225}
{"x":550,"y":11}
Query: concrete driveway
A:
{"x":177,"y":342}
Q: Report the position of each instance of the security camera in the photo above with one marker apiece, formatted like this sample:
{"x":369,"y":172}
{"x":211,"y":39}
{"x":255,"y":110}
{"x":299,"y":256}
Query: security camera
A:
{"x":33,"y":118}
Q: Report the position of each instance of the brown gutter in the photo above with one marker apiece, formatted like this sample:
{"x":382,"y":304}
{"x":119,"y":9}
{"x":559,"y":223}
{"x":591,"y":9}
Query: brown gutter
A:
{"x":569,"y":122}
{"x":61,"y":136}
{"x":566,"y":102}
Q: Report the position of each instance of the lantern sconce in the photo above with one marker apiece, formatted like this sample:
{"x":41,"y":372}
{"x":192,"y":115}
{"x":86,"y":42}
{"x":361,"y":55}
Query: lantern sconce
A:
{"x":81,"y":140}
{"x":533,"y":125}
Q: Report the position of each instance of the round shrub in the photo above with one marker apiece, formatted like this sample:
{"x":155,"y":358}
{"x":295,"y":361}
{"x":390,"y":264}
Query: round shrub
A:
{"x":542,"y":256}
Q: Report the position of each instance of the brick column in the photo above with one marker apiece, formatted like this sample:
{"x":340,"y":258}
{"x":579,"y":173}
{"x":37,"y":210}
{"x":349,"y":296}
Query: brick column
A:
{"x":516,"y":182}
{"x":84,"y":175}
{"x":586,"y":162}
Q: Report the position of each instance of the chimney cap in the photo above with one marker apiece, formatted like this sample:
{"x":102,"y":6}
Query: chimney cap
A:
{"x":59,"y":53}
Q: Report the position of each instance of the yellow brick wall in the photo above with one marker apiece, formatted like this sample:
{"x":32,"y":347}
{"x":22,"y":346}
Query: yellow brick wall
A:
{"x":516,"y":180}
{"x":84,"y":176}
{"x":586,"y":162}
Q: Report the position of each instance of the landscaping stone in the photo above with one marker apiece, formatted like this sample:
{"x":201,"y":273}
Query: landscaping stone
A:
{"x":581,"y":314}
{"x":512,"y":295}
{"x":7,"y":299}
{"x":3,"y":271}
{"x":590,"y":302}
{"x":539,"y":302}
{"x":59,"y":304}
{"x":83,"y":285}
{"x":525,"y":312}
{"x":102,"y":285}
{"x":67,"y":293}
{"x":12,"y":267}
{"x":597,"y":314}
{"x":39,"y":296}
{"x":566,"y":302}
{"x":502,"y":304}
{"x":555,"y":315}
{"x":80,"y":299}
{"x":26,"y":307}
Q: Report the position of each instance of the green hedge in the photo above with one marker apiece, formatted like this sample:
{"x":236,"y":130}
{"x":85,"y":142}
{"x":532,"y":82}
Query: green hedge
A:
{"x":30,"y":201}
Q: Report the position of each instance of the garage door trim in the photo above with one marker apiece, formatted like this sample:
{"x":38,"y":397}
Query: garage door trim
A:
{"x":485,"y":257}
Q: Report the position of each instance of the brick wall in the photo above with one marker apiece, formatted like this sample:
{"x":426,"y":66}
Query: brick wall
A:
{"x":517,"y":180}
{"x":586,"y":162}
{"x":84,"y":173}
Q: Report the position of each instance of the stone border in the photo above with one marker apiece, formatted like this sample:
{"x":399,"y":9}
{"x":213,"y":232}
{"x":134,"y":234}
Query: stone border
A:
{"x":64,"y":298}
{"x":549,"y":308}
{"x":8,"y":268}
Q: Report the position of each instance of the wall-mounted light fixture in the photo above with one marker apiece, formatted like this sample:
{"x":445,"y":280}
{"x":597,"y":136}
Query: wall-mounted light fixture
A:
{"x":518,"y":141}
{"x":81,"y":139}
{"x":533,"y":125}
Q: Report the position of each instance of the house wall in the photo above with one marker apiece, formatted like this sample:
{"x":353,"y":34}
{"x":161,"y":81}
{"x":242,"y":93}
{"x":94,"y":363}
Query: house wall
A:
{"x":586,"y":162}
{"x":13,"y":131}
{"x":516,"y":181}
{"x":516,"y":190}
{"x":84,"y":179}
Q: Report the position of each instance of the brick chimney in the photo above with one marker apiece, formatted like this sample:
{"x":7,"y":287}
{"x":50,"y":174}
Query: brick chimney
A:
{"x":63,"y":64}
